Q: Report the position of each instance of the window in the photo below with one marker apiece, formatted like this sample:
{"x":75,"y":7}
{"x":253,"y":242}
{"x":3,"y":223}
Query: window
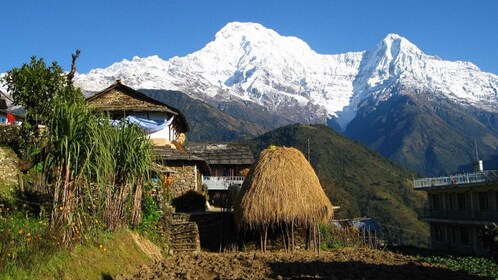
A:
{"x":464,"y":236}
{"x":453,"y":235}
{"x":450,"y":201}
{"x":436,"y":204}
{"x":483,"y":201}
{"x":496,"y":200}
{"x":438,"y":233}
{"x":461,"y":201}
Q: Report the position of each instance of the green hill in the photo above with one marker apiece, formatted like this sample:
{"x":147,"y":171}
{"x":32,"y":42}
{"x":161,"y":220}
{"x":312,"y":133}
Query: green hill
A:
{"x":206,"y":122}
{"x":357,"y":179}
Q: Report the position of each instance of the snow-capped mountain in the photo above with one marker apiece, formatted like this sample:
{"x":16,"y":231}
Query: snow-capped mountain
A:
{"x":417,"y":109}
{"x":249,"y":62}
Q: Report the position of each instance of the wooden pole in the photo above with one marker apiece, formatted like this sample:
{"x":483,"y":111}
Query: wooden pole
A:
{"x":266,"y":237}
{"x":292,"y":236}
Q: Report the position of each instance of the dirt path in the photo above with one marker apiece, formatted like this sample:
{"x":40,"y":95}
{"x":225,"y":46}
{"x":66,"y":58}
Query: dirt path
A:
{"x":337,"y":264}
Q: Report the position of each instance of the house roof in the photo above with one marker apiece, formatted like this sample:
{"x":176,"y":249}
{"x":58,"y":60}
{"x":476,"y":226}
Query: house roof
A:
{"x":131,"y":100}
{"x":166,"y":153}
{"x":229,"y":153}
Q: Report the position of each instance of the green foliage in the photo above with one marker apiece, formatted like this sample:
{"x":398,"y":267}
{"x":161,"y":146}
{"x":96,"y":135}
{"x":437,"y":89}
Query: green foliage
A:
{"x":206,"y":122}
{"x":7,"y":193}
{"x":150,"y":211}
{"x":94,"y":171}
{"x":35,"y":86}
{"x":335,"y":238}
{"x":474,"y":265}
{"x":29,"y":145}
{"x":357,"y":179}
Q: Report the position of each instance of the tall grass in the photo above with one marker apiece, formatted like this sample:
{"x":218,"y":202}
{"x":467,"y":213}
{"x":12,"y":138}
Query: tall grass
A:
{"x":96,"y":171}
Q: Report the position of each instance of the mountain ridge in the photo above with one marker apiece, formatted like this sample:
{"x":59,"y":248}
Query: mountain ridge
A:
{"x":249,"y":62}
{"x":253,"y":73}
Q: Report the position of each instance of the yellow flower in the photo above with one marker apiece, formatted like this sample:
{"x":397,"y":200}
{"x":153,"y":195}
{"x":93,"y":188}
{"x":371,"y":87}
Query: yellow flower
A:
{"x":21,"y":231}
{"x":100,"y":246}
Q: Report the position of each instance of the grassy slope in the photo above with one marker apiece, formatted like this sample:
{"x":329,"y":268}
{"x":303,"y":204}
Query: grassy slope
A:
{"x":357,"y":179}
{"x":121,"y":252}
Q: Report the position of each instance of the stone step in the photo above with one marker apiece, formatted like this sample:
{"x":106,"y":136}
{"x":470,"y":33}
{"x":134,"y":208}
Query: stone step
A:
{"x":184,"y":235}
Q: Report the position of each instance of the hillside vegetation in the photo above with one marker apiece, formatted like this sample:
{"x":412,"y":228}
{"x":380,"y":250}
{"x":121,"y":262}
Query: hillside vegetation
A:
{"x":206,"y":122}
{"x":431,"y":136}
{"x":357,"y":179}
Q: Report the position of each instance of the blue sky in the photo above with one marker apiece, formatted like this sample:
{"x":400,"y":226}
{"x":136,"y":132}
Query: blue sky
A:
{"x":108,"y":31}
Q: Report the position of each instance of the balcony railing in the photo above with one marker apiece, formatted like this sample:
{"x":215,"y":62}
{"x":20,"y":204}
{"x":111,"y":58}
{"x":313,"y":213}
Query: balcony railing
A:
{"x":219,"y":183}
{"x":458,"y":179}
{"x":454,"y":214}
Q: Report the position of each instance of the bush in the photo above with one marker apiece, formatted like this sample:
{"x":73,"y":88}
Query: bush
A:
{"x":334,"y":237}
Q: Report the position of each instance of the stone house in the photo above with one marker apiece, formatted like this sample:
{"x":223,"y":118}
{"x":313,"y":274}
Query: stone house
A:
{"x":460,"y":207}
{"x":166,"y":127}
{"x":229,"y":164}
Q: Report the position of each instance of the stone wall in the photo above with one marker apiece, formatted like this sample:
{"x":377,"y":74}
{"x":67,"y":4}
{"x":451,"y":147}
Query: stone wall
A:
{"x":9,"y":134}
{"x":8,"y":166}
{"x":185,"y":178}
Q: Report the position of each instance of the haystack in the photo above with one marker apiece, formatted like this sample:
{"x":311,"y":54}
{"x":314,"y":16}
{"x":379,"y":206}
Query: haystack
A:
{"x":281,"y":188}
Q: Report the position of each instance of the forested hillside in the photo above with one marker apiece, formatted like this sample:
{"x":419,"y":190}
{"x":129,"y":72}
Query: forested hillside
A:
{"x":357,"y":179}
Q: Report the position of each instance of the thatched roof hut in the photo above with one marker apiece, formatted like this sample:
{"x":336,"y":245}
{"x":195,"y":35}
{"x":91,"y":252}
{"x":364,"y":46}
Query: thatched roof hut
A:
{"x":281,"y":187}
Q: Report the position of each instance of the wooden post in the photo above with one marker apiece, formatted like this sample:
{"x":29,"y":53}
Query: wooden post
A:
{"x":266,"y":237}
{"x":292,"y":236}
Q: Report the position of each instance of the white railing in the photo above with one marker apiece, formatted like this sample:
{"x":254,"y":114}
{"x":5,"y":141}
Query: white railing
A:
{"x":458,"y":179}
{"x":222,"y":182}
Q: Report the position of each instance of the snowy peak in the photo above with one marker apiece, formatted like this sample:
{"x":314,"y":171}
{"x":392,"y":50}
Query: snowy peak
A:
{"x":249,"y":62}
{"x":393,"y":45}
{"x":255,"y":34}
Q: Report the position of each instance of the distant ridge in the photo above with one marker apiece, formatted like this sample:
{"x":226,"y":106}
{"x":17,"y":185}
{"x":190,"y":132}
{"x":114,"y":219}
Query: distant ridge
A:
{"x":250,"y":68}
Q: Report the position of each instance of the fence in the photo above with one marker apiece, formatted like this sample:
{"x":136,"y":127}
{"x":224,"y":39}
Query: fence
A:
{"x":458,"y":179}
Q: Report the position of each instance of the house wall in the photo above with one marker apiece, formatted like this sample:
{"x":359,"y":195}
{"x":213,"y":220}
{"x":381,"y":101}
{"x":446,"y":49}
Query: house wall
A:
{"x":460,"y":238}
{"x":457,"y":217}
{"x":226,"y":169}
{"x":185,"y":178}
{"x":8,"y":166}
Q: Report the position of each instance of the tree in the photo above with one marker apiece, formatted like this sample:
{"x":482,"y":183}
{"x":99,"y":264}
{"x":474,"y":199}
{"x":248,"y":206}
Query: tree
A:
{"x":35,"y":87}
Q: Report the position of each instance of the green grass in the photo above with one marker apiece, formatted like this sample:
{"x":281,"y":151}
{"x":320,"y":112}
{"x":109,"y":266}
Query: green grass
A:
{"x":109,"y":255}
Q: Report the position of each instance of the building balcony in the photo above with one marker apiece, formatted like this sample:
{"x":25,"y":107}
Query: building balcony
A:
{"x":222,"y":183}
{"x":459,"y":216}
{"x":479,"y":177}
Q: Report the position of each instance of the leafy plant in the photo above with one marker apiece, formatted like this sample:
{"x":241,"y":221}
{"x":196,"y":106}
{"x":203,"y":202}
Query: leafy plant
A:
{"x":35,"y":86}
{"x":474,"y":265}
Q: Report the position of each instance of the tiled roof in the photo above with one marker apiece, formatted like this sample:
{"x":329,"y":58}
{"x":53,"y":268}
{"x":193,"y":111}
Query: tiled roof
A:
{"x":167,"y":153}
{"x":230,"y":153}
